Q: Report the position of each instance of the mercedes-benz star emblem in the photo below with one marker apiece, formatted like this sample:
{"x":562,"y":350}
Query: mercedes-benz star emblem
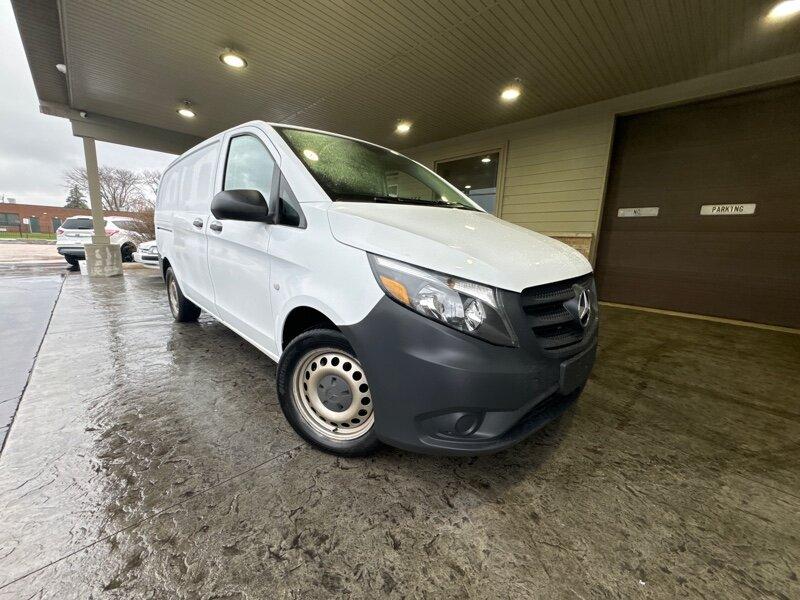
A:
{"x":584,"y":308}
{"x":579,"y":306}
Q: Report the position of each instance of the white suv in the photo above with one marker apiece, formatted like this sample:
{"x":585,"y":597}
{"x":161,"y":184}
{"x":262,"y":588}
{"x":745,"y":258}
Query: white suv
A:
{"x":77,"y":231}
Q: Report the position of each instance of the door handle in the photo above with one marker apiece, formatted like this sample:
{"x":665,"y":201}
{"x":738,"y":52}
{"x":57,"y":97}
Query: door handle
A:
{"x":215,"y":226}
{"x":198,"y":223}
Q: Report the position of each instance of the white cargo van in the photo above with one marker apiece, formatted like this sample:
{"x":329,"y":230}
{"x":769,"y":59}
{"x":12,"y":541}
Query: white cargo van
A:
{"x":397,"y":309}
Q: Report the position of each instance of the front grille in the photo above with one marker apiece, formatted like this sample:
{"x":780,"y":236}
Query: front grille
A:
{"x":553,"y":326}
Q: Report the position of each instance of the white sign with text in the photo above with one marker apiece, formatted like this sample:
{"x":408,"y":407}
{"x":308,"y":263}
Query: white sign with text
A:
{"x":639,"y":211}
{"x":727,"y":209}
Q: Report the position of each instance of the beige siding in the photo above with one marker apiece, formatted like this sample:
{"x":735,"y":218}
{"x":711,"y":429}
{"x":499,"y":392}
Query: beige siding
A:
{"x":553,"y":167}
{"x":554,"y":171}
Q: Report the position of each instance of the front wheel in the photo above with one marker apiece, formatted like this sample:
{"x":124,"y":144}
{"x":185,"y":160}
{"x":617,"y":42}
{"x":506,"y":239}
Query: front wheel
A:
{"x":183,"y":309}
{"x":324,"y":394}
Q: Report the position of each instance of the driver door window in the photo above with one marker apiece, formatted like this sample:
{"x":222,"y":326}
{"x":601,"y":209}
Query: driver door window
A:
{"x":250,"y":166}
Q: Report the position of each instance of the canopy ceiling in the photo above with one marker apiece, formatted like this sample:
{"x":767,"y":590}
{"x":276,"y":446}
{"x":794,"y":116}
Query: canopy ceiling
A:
{"x":359,"y":66}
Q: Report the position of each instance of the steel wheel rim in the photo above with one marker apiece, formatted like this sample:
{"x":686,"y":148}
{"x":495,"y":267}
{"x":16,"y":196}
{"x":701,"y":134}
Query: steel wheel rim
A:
{"x":331,"y":393}
{"x":172,"y":293}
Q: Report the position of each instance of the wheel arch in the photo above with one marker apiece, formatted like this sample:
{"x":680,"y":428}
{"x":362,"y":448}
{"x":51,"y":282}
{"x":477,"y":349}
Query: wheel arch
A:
{"x":303,"y":318}
{"x":165,"y":264}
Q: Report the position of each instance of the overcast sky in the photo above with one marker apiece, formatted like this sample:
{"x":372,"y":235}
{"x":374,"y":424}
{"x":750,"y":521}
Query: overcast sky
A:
{"x":35,"y":149}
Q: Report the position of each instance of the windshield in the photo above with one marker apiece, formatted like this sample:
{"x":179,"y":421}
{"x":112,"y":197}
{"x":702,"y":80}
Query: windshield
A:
{"x":356,"y":171}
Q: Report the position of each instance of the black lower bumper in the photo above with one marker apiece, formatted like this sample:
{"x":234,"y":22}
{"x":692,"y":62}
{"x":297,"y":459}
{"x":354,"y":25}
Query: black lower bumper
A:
{"x":75,"y":252}
{"x":438,"y":391}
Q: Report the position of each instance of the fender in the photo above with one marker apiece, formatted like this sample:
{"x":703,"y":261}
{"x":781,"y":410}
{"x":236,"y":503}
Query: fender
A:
{"x":298,"y":302}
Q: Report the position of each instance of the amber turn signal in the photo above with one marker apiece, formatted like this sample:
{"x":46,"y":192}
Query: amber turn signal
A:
{"x":396,"y":289}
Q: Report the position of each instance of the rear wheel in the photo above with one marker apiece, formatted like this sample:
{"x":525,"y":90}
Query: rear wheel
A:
{"x":183,"y":309}
{"x":73,"y":261}
{"x":127,"y":251}
{"x":325,"y":395}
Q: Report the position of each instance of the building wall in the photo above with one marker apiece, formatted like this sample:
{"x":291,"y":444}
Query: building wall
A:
{"x":45,"y":215}
{"x":552,"y":172}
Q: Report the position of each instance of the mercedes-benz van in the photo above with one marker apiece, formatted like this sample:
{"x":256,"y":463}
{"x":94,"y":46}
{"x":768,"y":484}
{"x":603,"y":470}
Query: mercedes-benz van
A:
{"x":398,"y":311}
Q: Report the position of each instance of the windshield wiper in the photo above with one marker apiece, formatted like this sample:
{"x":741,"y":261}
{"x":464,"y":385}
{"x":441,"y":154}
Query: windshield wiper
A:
{"x":381,"y":199}
{"x":401,"y":200}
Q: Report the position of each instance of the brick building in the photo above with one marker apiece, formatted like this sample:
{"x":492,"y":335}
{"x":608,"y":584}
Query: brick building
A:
{"x":41,"y":218}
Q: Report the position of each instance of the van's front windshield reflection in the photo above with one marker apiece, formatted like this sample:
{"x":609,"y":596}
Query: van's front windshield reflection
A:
{"x":349,"y":170}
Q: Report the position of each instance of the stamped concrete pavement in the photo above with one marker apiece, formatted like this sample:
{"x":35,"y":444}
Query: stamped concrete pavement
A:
{"x":149,"y":459}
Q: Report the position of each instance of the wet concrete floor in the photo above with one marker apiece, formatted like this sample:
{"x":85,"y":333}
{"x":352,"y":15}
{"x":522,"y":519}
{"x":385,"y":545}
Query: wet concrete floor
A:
{"x":150,"y":459}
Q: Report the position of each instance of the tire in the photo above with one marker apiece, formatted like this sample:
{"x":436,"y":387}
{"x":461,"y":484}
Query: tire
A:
{"x":324,"y":394}
{"x":183,"y":310}
{"x":127,"y":251}
{"x":73,"y":262}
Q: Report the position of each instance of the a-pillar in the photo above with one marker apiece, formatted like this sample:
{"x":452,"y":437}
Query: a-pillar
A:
{"x":103,"y":259}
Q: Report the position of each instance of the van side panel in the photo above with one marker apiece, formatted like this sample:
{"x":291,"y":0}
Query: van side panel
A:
{"x":162,"y":218}
{"x":194,"y":184}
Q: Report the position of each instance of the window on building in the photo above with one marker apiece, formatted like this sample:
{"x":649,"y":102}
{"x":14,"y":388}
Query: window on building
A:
{"x":9,"y":220}
{"x":476,"y":176}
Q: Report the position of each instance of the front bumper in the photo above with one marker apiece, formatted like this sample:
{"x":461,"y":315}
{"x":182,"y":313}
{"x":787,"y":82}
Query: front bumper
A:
{"x":148,"y":260}
{"x":73,"y":251}
{"x":439,"y":391}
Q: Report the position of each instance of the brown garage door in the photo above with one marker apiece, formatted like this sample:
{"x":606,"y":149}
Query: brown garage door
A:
{"x":738,"y":150}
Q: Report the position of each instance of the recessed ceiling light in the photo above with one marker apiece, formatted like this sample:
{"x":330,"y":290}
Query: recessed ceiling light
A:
{"x":403,"y":127}
{"x":186,"y":110}
{"x":311,"y":155}
{"x":784,"y":10}
{"x":233,"y":59}
{"x":486,"y":159}
{"x":511,"y":93}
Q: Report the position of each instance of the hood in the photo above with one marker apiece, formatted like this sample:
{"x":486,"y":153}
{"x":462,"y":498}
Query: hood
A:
{"x":469,"y":244}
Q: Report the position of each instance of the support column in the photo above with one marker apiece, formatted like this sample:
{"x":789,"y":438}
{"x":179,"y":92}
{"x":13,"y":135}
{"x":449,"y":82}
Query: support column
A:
{"x":103,"y":259}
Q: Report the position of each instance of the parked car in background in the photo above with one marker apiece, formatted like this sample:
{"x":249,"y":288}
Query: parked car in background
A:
{"x":147,"y":254}
{"x":398,"y":309}
{"x":77,"y":231}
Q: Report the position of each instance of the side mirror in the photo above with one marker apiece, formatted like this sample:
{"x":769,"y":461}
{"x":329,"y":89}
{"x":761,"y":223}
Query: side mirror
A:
{"x":240,"y":205}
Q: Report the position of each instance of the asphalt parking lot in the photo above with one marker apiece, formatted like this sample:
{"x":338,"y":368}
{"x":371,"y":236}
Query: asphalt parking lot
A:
{"x":150,"y":459}
{"x":27,"y":297}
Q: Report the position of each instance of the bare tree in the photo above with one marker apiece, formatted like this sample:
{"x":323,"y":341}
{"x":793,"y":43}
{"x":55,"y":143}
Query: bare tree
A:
{"x":120,"y":189}
{"x":151,"y":180}
{"x":144,"y":225}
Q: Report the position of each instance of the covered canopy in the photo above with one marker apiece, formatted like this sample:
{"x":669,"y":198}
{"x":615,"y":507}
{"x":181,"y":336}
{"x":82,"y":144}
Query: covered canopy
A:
{"x":359,"y":67}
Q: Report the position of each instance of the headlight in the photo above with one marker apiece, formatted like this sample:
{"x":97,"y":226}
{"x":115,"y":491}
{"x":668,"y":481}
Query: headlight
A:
{"x":463,"y":305}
